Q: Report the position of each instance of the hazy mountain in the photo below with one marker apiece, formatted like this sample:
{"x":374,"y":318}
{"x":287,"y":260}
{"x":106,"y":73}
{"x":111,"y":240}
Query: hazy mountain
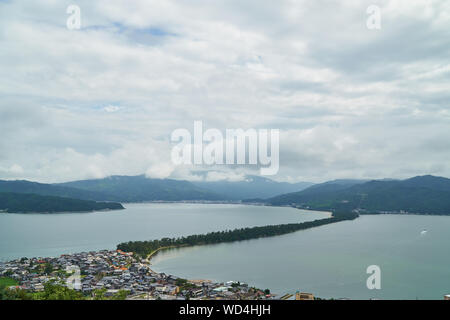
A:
{"x":431,"y":182}
{"x":343,"y":182}
{"x":23,"y":186}
{"x":316,"y":192}
{"x":251,"y":187}
{"x":141,"y":188}
{"x":333,"y":185}
{"x":33,"y":203}
{"x":425,"y":195}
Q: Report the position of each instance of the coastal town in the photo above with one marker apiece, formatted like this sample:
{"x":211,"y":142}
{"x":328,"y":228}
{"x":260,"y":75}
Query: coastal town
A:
{"x":118,"y":275}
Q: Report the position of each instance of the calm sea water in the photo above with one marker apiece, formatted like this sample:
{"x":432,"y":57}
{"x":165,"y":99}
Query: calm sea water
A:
{"x":46,"y":235}
{"x":330,"y":261}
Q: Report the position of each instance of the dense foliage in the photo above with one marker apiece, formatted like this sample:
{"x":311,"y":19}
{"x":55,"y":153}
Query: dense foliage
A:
{"x":27,"y":203}
{"x":421,"y":195}
{"x":54,"y":291}
{"x":146,"y":247}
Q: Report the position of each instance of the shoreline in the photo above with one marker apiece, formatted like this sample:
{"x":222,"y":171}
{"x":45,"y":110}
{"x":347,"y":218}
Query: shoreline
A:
{"x":154,"y":253}
{"x":238,"y":202}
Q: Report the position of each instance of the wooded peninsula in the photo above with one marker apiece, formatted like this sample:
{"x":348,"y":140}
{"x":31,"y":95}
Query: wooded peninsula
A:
{"x":144,"y":248}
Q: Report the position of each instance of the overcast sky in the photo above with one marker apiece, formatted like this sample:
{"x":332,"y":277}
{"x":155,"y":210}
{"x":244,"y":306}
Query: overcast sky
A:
{"x":350,"y":102}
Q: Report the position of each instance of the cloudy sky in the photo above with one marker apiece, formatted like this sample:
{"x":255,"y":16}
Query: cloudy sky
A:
{"x":350,"y":102}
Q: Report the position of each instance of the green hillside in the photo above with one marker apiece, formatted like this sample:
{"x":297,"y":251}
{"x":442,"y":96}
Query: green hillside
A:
{"x":422,"y":195}
{"x":141,"y":188}
{"x":44,"y":189}
{"x":33,"y":203}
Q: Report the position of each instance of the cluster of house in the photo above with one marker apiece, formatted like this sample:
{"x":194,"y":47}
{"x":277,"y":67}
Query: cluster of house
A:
{"x":112,"y":271}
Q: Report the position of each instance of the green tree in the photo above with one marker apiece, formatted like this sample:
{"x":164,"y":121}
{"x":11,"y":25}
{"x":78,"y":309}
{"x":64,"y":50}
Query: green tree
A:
{"x":99,"y":294}
{"x":58,"y":292}
{"x":14,"y":294}
{"x":48,"y":268}
{"x":121,"y":295}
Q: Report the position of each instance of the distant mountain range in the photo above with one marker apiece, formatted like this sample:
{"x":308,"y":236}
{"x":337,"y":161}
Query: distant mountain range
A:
{"x":141,"y":188}
{"x":251,"y":187}
{"x":69,"y":196}
{"x":422,"y":195}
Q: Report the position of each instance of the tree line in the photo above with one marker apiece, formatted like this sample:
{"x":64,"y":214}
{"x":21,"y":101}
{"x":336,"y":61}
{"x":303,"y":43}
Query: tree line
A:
{"x":144,"y":248}
{"x":55,"y":291}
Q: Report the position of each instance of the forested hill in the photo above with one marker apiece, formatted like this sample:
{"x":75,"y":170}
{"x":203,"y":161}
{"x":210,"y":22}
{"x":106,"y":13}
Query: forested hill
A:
{"x":33,"y":203}
{"x":140,"y":188}
{"x":44,"y":189}
{"x":421,"y":195}
{"x":115,"y":188}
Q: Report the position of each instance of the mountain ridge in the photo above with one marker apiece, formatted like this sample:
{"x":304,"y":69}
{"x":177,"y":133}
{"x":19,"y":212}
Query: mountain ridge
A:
{"x":251,"y":187}
{"x":140,"y":188}
{"x":421,"y":194}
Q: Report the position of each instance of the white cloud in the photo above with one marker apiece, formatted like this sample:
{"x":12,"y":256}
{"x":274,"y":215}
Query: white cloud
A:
{"x":111,"y":108}
{"x":223,"y":175}
{"x":16,"y":169}
{"x":349,"y":102}
{"x":160,"y":171}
